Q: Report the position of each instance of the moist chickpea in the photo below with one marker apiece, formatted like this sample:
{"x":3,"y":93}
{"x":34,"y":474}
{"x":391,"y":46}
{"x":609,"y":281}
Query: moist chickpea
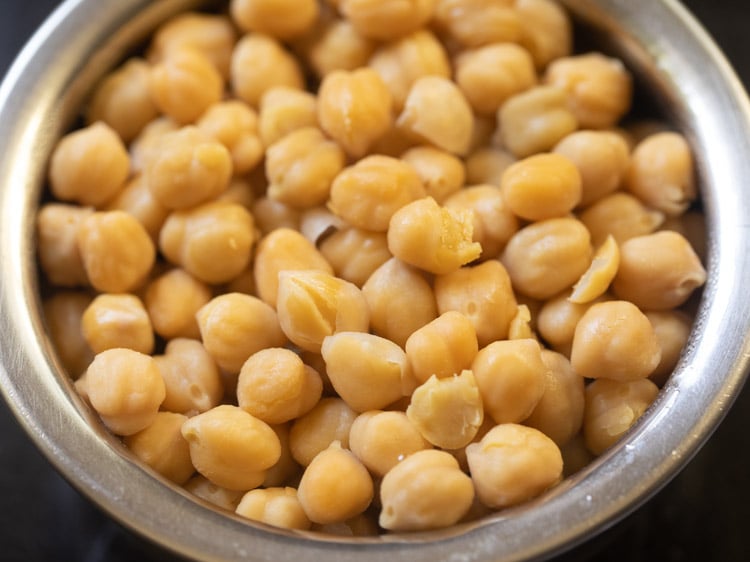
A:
{"x":286,"y":468}
{"x":57,"y":243}
{"x":597,"y":278}
{"x":599,"y":88}
{"x":362,"y":525}
{"x":491,"y":74}
{"x":125,"y":388}
{"x":339,"y":47}
{"x":486,"y":165}
{"x":63,"y":312}
{"x":658,"y":271}
{"x":520,"y":326}
{"x":388,"y":19}
{"x":427,"y":490}
{"x":302,"y":166}
{"x":557,"y":319}
{"x":661,"y":173}
{"x":172,"y":299}
{"x":672,"y":328}
{"x":615,"y":340}
{"x":283,"y":110}
{"x":442,"y":173}
{"x":217,"y":496}
{"x":116,"y":251}
{"x":282,"y":19}
{"x":512,"y":464}
{"x":354,"y":109}
{"x":260,"y":63}
{"x":89,"y":166}
{"x":612,"y":407}
{"x":279,"y":507}
{"x":473,"y":23}
{"x":437,"y":112}
{"x":355,"y":254}
{"x":400,"y":300}
{"x":546,"y":31}
{"x":191,"y":377}
{"x":368,"y":193}
{"x":330,"y":420}
{"x":483,"y":294}
{"x":621,"y":216}
{"x":535,"y":120}
{"x":270,"y":215}
{"x":147,"y":144}
{"x":511,"y":378}
{"x":235,"y":125}
{"x":547,"y":256}
{"x":136,"y":199}
{"x":162,"y":447}
{"x":230,"y":447}
{"x":120,"y":320}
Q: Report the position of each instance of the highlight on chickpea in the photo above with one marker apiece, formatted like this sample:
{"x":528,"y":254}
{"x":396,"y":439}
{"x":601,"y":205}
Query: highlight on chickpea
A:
{"x":369,"y":267}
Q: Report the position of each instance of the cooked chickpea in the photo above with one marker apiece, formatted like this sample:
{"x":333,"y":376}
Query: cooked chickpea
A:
{"x":557,"y":319}
{"x":318,"y":223}
{"x":387,"y":20}
{"x":621,"y":216}
{"x":615,"y":340}
{"x":172,"y":299}
{"x":442,"y":173}
{"x":672,"y":328}
{"x":270,"y":215}
{"x":597,"y":278}
{"x":546,"y":30}
{"x":355,"y":253}
{"x":658,"y":271}
{"x":612,"y":407}
{"x":235,"y":125}
{"x":279,"y":507}
{"x":146,"y":145}
{"x":63,"y":312}
{"x":283,"y":110}
{"x":162,"y":447}
{"x":230,"y":447}
{"x":512,"y":464}
{"x":286,"y":468}
{"x":520,"y":326}
{"x":282,"y":19}
{"x":339,"y":47}
{"x":57,"y":227}
{"x":486,"y":165}
{"x":330,"y":420}
{"x":217,"y":496}
{"x":473,"y":23}
{"x":126,"y":389}
{"x":120,"y":320}
{"x":136,"y":199}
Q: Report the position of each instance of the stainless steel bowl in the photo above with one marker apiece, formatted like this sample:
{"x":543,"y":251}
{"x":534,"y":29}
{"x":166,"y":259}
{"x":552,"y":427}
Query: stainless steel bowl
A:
{"x":675,"y":61}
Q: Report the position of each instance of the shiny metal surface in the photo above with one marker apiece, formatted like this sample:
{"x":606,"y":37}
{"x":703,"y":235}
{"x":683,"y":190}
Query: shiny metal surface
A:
{"x":673,"y":57}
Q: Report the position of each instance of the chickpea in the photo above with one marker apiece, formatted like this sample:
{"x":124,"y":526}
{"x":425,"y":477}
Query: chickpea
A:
{"x":318,"y":223}
{"x":672,"y":328}
{"x":658,"y":271}
{"x":282,"y":19}
{"x":217,"y":496}
{"x":63,"y":312}
{"x":483,"y":294}
{"x":354,"y":109}
{"x":427,"y":490}
{"x":89,"y":166}
{"x":279,"y":507}
{"x":355,"y":254}
{"x":512,"y":464}
{"x":597,"y":278}
{"x":612,"y":408}
{"x":615,"y":340}
{"x":235,"y":125}
{"x":230,"y":447}
{"x":147,"y":144}
{"x":212,"y":241}
{"x":162,"y":447}
{"x":368,"y":193}
{"x":172,"y":300}
{"x":557,"y":319}
{"x":283,"y":110}
{"x":442,"y":174}
{"x":473,"y":23}
{"x":520,"y":326}
{"x":191,"y":377}
{"x":388,"y":19}
{"x":270,"y":215}
{"x":547,"y":256}
{"x":535,"y":120}
{"x":125,"y":388}
{"x":136,"y":199}
{"x":302,"y":166}
{"x":339,"y":47}
{"x":57,"y":227}
{"x":621,"y":216}
{"x":330,"y":420}
{"x":112,"y":321}
{"x":400,"y":300}
{"x":486,"y":166}
{"x":286,"y":468}
{"x":116,"y":251}
{"x":546,"y":30}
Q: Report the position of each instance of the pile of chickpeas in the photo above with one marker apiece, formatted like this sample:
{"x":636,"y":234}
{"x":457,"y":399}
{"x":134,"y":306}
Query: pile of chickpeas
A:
{"x":365,"y":267}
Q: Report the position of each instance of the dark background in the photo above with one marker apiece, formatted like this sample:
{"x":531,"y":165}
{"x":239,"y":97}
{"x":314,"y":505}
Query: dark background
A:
{"x":703,"y":514}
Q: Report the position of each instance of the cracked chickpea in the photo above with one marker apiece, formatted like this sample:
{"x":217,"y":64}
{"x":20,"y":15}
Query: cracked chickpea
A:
{"x":117,"y":320}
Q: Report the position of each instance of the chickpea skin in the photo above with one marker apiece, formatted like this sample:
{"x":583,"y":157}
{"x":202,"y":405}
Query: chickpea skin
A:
{"x":120,"y":320}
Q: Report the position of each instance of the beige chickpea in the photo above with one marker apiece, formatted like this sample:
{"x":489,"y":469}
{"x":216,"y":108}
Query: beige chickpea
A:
{"x":442,"y":173}
{"x":286,"y":468}
{"x":437,"y":112}
{"x":235,"y":125}
{"x":172,"y":299}
{"x":282,"y":19}
{"x":368,"y":193}
{"x":302,"y":166}
{"x":147,"y":144}
{"x":427,"y":490}
{"x":483,"y":294}
{"x":491,"y":74}
{"x":381,"y":440}
{"x":116,"y":251}
{"x":621,"y":216}
{"x":672,"y":328}
{"x":223,"y":498}
{"x":661,"y":173}
{"x":355,"y":254}
{"x":596,"y":279}
{"x":230,"y":447}
{"x":212,"y":241}
{"x":511,"y":378}
{"x":191,"y":377}
{"x":354,"y":109}
{"x":162,"y":447}
{"x":546,"y":30}
{"x":339,"y":47}
{"x":270,"y":215}
{"x":260,"y":63}
{"x":89,"y":166}
{"x":535,"y":120}
{"x":557,"y":319}
{"x":57,"y":243}
{"x":279,"y":507}
{"x":612,"y":407}
{"x":283,"y":110}
{"x":473,"y":23}
{"x":512,"y":464}
{"x":330,"y":420}
{"x":548,"y":256}
{"x":486,"y":165}
{"x":388,"y":19}
{"x":400,"y":299}
{"x":63,"y":312}
{"x":120,"y":320}
{"x":658,"y":271}
{"x":125,"y":388}
{"x":615,"y":340}
{"x":136,"y":199}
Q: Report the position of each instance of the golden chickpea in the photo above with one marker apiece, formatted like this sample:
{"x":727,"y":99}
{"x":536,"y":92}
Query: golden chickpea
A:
{"x":283,"y":110}
{"x":355,"y":254}
{"x":235,"y":125}
{"x":368,"y":193}
{"x":354,"y":109}
{"x":400,"y":299}
{"x":116,"y":251}
{"x":548,"y":256}
{"x":126,"y":389}
{"x":427,"y":490}
{"x":486,"y":165}
{"x":147,"y":144}
{"x":597,"y":278}
{"x":162,"y":447}
{"x":63,"y":312}
{"x":136,"y":199}
{"x":672,"y":328}
{"x":217,"y":496}
{"x":386,"y":20}
{"x":612,"y":408}
{"x":212,"y":241}
{"x":442,"y":173}
{"x":557,"y":320}
{"x":615,"y":340}
{"x":270,"y":215}
{"x":57,"y":243}
{"x":546,"y":30}
{"x":120,"y":320}
{"x":330,"y":420}
{"x":473,"y":23}
{"x":191,"y":377}
{"x":483,"y":294}
{"x":520,"y":326}
{"x":339,"y":47}
{"x":230,"y":447}
{"x":172,"y":300}
{"x":621,"y":216}
{"x":279,"y":507}
{"x":286,"y":468}
{"x":512,"y":464}
{"x":89,"y":166}
{"x":282,"y":19}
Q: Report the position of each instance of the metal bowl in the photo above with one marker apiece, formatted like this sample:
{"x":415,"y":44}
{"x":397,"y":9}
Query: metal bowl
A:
{"x":675,"y":62}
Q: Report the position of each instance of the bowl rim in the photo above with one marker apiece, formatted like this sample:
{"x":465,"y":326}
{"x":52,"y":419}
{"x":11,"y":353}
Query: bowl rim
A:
{"x":704,"y":96}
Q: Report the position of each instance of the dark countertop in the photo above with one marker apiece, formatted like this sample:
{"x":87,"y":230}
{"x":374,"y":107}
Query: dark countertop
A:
{"x":701,"y":515}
